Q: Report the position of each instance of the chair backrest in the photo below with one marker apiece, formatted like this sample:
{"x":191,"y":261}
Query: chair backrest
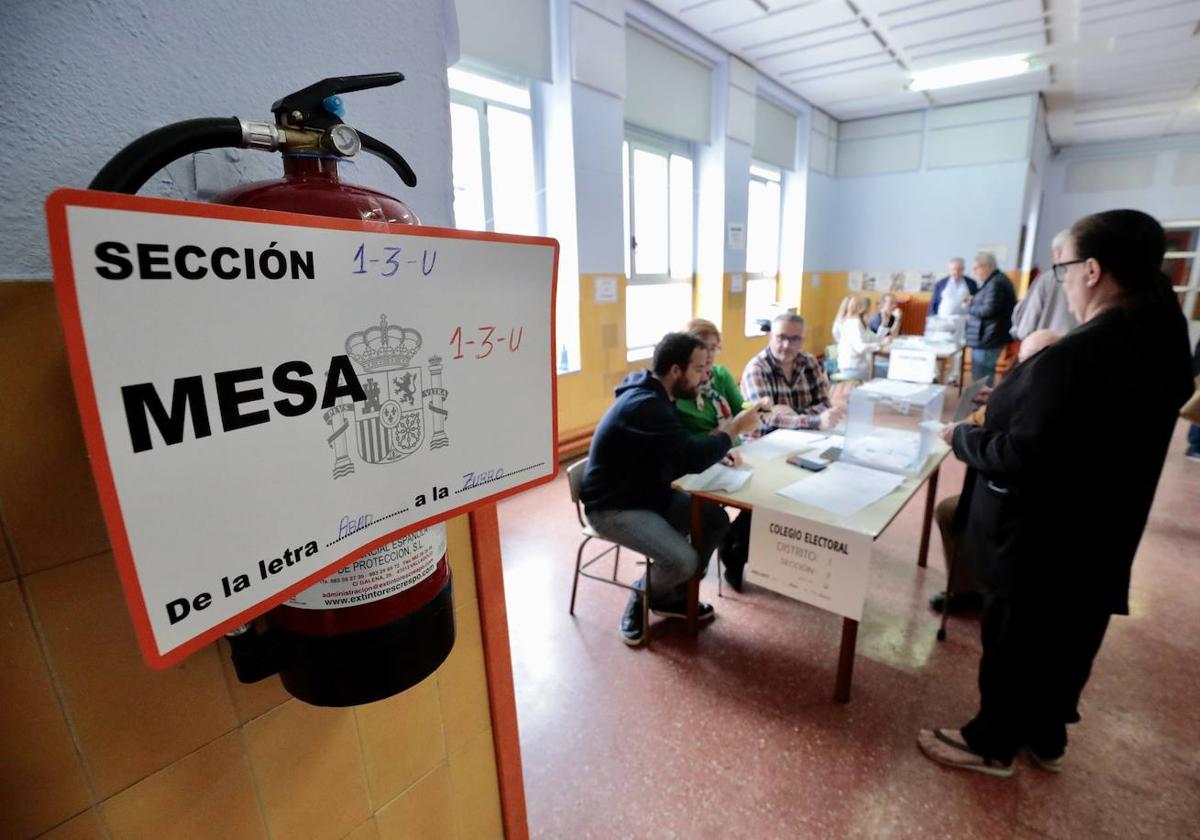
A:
{"x":575,"y":482}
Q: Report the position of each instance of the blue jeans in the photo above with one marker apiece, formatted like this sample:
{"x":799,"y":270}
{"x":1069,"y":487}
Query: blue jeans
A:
{"x":663,"y":538}
{"x":1194,"y":439}
{"x":983,"y":362}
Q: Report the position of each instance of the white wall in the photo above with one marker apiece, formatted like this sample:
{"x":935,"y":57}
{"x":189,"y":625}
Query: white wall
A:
{"x":1159,"y":177}
{"x":914,"y":189}
{"x":83,"y":79}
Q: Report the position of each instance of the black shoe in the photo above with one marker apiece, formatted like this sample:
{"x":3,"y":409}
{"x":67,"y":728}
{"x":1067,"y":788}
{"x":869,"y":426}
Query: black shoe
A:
{"x":632,"y":629}
{"x":734,"y":574}
{"x":960,"y":602}
{"x":678,"y":609}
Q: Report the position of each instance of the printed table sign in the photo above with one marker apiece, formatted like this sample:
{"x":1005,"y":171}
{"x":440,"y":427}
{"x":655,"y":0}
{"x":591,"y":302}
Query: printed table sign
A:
{"x":815,"y":563}
{"x":266,"y":397}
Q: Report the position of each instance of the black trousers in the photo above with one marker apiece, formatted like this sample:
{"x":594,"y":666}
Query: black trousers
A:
{"x":1036,"y":660}
{"x":736,"y":545}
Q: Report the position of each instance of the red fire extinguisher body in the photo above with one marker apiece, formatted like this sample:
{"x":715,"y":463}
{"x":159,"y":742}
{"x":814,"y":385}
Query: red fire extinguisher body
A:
{"x":358,"y":653}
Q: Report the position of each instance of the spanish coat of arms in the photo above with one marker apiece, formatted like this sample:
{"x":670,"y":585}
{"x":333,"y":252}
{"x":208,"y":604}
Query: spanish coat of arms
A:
{"x":390,"y":424}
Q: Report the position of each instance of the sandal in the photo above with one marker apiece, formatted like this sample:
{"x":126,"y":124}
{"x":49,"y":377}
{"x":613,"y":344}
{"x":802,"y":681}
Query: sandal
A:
{"x":945,"y":746}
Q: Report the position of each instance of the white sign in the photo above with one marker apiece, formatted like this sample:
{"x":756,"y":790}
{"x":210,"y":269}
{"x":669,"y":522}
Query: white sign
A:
{"x":909,"y":364}
{"x":736,"y":237}
{"x":606,"y":290}
{"x":737,"y":283}
{"x":267,"y":396}
{"x":818,"y":564}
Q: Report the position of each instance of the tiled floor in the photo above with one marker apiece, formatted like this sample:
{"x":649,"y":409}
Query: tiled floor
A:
{"x":734,"y":734}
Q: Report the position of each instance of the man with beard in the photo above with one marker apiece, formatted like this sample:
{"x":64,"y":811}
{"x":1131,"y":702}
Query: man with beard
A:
{"x":639,"y":448}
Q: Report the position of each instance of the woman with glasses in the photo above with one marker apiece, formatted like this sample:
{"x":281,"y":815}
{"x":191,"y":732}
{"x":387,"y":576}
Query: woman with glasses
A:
{"x":1053,"y":523}
{"x":716,"y":402}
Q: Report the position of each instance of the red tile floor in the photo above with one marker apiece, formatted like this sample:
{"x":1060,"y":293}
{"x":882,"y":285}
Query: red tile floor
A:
{"x":734,"y":734}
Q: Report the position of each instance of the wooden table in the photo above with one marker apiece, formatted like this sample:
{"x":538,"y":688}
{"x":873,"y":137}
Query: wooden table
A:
{"x":946,"y":355}
{"x":759,"y":491}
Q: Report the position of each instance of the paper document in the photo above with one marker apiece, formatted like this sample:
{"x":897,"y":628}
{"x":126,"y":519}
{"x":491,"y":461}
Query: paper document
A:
{"x":894,"y":388}
{"x":843,"y":489}
{"x":781,"y":442}
{"x":966,"y":403}
{"x":717,"y":477}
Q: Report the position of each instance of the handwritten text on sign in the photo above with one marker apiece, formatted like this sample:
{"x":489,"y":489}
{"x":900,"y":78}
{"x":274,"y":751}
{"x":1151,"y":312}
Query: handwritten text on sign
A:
{"x":815,"y":563}
{"x":250,"y":382}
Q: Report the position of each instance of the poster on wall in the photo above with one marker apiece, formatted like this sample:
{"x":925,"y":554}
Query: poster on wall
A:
{"x":896,"y":281}
{"x":267,"y":397}
{"x":854,"y":281}
{"x":872,"y":281}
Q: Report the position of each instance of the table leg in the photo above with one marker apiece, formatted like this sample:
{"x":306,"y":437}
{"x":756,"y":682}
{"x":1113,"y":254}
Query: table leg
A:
{"x":871,"y":365}
{"x":841,"y":692}
{"x":693,"y":604}
{"x":930,"y":498}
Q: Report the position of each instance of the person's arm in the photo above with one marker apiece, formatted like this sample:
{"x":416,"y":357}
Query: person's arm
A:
{"x":894,"y":330}
{"x":1037,"y":431}
{"x":655,"y":425}
{"x":729,"y":390}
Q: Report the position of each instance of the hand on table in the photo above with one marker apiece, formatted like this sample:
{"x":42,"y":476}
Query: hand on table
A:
{"x":732,"y":458}
{"x":982,"y":396}
{"x":831,"y":418}
{"x":742,"y":423}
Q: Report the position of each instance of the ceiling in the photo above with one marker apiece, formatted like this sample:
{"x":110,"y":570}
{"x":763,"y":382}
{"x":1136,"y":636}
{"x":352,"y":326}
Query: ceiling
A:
{"x":1109,"y":69}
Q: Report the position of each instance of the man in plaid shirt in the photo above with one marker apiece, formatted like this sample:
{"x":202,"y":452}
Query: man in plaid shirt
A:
{"x":792,"y":379}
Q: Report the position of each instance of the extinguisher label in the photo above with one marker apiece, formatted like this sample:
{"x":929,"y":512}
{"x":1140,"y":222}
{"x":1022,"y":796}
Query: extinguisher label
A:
{"x":386,"y":571}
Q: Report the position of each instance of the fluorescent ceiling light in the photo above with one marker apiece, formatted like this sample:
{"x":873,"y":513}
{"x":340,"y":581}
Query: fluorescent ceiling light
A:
{"x":969,"y":72}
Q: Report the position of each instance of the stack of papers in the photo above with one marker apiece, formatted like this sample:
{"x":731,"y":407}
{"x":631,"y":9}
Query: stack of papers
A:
{"x":843,"y":489}
{"x":894,"y":388}
{"x":782,"y":442}
{"x":717,"y":477}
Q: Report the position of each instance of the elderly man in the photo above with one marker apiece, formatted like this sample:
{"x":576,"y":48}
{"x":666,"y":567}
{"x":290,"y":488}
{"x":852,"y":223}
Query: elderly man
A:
{"x":989,"y":315}
{"x":791,"y":379}
{"x":1044,"y":306}
{"x":953,"y":292}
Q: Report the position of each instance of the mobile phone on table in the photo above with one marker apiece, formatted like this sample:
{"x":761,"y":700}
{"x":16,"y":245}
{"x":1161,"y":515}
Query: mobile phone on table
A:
{"x":813,"y":463}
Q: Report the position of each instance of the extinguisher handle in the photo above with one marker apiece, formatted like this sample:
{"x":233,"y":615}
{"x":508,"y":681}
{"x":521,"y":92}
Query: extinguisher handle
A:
{"x":394,"y":159}
{"x":306,"y":107}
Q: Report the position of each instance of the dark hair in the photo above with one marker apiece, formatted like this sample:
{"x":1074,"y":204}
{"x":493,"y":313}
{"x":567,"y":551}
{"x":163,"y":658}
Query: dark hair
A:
{"x":1129,"y":245}
{"x":675,"y":349}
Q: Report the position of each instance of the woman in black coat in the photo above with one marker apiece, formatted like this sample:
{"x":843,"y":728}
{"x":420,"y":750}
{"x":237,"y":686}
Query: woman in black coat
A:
{"x":1057,"y":511}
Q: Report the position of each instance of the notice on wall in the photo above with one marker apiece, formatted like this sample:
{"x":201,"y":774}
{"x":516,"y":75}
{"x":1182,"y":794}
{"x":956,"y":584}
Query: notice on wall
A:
{"x":815,"y":563}
{"x":267,"y":397}
{"x":735,"y":236}
{"x":606,"y":290}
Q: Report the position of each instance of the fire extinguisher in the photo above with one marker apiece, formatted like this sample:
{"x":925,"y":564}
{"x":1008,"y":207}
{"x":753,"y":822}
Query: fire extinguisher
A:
{"x":326,"y":652}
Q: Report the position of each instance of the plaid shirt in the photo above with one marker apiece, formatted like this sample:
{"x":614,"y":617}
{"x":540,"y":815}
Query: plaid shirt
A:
{"x":807,"y":393}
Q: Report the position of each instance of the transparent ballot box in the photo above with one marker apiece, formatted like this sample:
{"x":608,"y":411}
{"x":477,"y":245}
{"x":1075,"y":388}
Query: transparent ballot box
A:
{"x":946,"y":329}
{"x":893,"y":425}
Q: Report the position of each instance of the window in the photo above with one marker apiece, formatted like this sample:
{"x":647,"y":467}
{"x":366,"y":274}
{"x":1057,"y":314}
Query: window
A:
{"x":495,"y":176}
{"x":762,"y":245}
{"x":660,"y":227}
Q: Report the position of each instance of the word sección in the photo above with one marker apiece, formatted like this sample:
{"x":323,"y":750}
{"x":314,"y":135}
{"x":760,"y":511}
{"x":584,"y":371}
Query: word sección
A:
{"x":157,"y":261}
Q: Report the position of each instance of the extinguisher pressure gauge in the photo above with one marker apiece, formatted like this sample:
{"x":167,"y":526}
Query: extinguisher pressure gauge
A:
{"x":341,"y":140}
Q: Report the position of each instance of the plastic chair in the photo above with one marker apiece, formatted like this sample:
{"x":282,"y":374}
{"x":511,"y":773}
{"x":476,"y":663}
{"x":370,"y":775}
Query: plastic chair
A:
{"x":575,"y":481}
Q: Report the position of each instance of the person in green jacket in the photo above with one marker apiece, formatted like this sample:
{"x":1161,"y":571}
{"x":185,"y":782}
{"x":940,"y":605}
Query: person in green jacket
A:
{"x":717,"y":400}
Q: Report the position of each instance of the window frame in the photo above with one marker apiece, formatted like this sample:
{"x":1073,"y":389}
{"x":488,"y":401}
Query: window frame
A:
{"x":639,"y":139}
{"x":480,"y":104}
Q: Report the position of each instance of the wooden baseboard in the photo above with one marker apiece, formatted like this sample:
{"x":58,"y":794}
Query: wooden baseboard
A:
{"x":575,"y":444}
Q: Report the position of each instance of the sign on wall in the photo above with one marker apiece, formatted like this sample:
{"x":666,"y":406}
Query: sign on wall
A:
{"x":809,"y":561}
{"x":268,"y":396}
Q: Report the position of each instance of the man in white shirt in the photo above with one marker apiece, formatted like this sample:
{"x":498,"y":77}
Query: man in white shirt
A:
{"x":952,"y":291}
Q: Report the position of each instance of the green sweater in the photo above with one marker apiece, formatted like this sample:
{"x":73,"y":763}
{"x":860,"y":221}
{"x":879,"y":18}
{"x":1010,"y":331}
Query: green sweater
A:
{"x":701,"y":415}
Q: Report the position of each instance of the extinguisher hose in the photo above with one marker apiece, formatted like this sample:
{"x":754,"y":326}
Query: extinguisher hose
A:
{"x":134,"y":165}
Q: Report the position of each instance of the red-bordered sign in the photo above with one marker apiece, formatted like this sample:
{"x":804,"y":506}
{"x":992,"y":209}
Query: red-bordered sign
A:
{"x":471,"y":328}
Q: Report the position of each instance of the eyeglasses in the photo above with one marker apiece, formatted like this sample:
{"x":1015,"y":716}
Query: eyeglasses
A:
{"x":712,"y":348}
{"x":789,"y":339}
{"x":1060,"y":269}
